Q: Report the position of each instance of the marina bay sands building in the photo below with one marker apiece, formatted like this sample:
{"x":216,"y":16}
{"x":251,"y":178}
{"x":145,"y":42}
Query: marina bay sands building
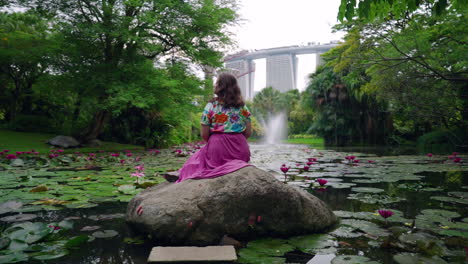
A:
{"x":281,"y":72}
{"x":281,"y":66}
{"x":244,"y":70}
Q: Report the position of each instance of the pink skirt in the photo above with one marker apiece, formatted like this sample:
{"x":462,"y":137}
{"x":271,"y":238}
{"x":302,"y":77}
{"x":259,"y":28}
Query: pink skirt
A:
{"x":224,"y":153}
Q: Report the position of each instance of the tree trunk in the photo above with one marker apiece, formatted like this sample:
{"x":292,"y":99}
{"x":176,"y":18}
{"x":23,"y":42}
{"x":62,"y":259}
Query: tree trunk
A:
{"x":97,"y":126}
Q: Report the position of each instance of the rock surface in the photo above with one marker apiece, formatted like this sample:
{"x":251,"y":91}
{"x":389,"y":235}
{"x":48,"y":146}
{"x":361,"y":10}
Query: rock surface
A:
{"x":64,"y":142}
{"x":245,"y":204}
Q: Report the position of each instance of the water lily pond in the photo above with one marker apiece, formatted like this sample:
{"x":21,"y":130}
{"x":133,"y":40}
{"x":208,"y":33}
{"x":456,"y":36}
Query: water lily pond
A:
{"x":69,"y":208}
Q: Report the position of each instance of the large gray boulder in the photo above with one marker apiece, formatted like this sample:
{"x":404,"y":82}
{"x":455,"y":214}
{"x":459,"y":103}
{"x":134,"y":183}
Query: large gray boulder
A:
{"x":64,"y":142}
{"x":245,"y":204}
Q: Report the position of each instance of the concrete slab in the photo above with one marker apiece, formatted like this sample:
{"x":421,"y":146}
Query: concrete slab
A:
{"x":210,"y":254}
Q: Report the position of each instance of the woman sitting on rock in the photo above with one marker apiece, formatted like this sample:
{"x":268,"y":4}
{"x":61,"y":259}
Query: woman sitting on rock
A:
{"x":225,"y":125}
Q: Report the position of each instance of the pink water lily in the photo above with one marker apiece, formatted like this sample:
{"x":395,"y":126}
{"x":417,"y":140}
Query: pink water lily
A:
{"x":129,"y":154}
{"x":140,"y":167}
{"x":356,"y":161}
{"x":11,"y":156}
{"x":122,"y":161}
{"x":138,"y":174}
{"x":54,"y":227}
{"x":385,"y":213}
{"x":455,"y":153}
{"x":457,"y":160}
{"x":6,"y":150}
{"x":322,"y":182}
{"x":312,"y":159}
{"x":371,"y":161}
{"x":429,"y":155}
{"x":309,"y":163}
{"x":306,"y":168}
{"x":284,"y":169}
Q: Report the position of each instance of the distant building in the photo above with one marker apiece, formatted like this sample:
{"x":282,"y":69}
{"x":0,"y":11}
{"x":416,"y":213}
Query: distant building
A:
{"x":244,"y":70}
{"x":281,"y":71}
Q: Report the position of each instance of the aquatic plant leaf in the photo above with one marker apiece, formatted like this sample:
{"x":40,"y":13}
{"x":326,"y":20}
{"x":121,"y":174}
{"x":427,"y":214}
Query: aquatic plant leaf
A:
{"x":341,"y":185}
{"x":90,"y":228}
{"x":128,"y":189}
{"x":415,"y":238}
{"x":367,"y":190}
{"x":251,"y":256}
{"x":76,"y":241}
{"x":351,"y":259}
{"x":346,"y":231}
{"x":412,"y":258}
{"x":270,"y":246}
{"x":312,"y":243}
{"x":51,"y":254}
{"x":10,"y":206}
{"x":461,"y":195}
{"x":18,"y":218}
{"x":450,"y":199}
{"x":366,"y":227}
{"x":4,"y":242}
{"x":16,"y":245}
{"x":440,"y":213}
{"x":105,"y":234}
{"x":374,"y":198}
{"x":456,"y":233}
{"x":13,"y":257}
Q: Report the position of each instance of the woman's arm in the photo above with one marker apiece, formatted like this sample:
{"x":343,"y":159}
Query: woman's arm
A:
{"x":205,"y":132}
{"x":248,"y":130}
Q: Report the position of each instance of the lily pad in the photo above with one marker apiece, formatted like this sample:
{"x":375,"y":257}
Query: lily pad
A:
{"x":412,"y":258}
{"x":51,"y":255}
{"x":351,"y":259}
{"x":366,"y":227}
{"x":374,"y":198}
{"x":105,"y":234}
{"x":367,"y":190}
{"x":346,"y":232}
{"x":251,"y":256}
{"x":13,"y":257}
{"x":450,"y":199}
{"x":312,"y":243}
{"x":10,"y":206}
{"x":270,"y":246}
{"x":90,"y":228}
{"x":18,"y":218}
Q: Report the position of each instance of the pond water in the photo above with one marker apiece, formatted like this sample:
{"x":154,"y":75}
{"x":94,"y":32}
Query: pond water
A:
{"x":427,"y":195}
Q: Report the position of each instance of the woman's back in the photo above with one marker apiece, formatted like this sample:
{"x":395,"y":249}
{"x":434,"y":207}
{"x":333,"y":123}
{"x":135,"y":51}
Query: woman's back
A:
{"x":222,"y":119}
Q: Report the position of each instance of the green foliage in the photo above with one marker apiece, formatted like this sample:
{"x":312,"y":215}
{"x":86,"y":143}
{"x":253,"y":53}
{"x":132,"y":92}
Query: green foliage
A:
{"x":442,"y":141}
{"x":110,"y":59}
{"x":26,"y":46}
{"x":370,"y":10}
{"x":32,"y":123}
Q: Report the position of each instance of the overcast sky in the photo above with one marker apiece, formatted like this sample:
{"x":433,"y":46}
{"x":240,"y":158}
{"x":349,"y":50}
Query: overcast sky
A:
{"x":276,"y":23}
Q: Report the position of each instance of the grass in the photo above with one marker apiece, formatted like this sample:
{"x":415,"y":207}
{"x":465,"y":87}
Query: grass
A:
{"x":25,"y":141}
{"x":316,"y":142}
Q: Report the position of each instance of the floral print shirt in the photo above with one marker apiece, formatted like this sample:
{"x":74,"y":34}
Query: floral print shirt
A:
{"x":223,"y":119}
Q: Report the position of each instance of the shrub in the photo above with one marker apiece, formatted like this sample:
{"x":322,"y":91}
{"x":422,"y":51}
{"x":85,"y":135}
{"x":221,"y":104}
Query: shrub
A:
{"x":32,"y":123}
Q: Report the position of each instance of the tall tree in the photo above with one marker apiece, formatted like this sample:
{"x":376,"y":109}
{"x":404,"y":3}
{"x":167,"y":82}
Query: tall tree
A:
{"x":26,"y":48}
{"x":106,"y":40}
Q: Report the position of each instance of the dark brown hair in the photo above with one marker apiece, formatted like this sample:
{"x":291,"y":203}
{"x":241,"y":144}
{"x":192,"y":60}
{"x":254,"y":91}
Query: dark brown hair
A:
{"x":228,"y":91}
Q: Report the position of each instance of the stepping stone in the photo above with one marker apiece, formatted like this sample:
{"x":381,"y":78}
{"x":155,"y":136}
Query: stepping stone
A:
{"x":211,"y":254}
